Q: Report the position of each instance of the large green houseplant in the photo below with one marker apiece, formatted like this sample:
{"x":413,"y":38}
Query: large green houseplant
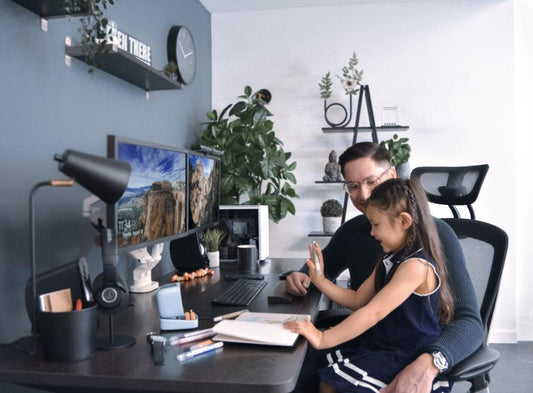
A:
{"x":254,"y":164}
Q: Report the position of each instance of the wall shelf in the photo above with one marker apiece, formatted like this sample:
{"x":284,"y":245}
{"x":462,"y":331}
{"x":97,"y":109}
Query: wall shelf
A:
{"x":48,"y":8}
{"x":127,"y":67}
{"x":338,"y":130}
{"x":319,"y":234}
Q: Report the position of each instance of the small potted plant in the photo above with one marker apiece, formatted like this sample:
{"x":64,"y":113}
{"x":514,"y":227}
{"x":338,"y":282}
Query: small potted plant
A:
{"x":400,"y":152}
{"x":331,"y":212}
{"x":212,"y":240}
{"x":171,"y":70}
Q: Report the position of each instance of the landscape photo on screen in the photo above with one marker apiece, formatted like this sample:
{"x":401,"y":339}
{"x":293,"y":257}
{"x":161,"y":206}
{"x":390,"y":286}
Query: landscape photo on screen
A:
{"x":204,"y":183}
{"x":154,"y":204}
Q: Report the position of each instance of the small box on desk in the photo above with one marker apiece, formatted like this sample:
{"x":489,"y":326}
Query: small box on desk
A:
{"x":246,"y":224}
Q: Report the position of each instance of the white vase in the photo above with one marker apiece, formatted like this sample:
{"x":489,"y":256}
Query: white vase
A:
{"x":403,"y":171}
{"x":331,"y":224}
{"x":214,"y":258}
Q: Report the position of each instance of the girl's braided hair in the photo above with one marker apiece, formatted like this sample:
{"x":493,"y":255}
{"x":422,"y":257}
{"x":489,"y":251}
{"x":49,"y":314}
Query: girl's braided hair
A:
{"x":400,"y":195}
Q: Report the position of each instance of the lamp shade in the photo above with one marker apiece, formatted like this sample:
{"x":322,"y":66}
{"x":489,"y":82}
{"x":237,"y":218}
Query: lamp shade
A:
{"x":104,"y":177}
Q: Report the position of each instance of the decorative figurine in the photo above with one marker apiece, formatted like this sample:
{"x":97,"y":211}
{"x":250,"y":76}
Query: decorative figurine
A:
{"x":333,"y":169}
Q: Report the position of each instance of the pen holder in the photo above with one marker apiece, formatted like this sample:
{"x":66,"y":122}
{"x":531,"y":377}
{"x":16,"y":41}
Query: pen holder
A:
{"x":70,"y":335}
{"x":170,"y":308}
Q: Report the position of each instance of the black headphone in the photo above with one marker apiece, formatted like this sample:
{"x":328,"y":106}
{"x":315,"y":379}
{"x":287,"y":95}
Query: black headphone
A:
{"x":109,"y":289}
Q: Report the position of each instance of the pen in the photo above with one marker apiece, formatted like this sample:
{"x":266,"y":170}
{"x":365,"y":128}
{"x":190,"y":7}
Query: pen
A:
{"x":317,"y":261}
{"x":190,"y":337}
{"x":198,"y":351}
{"x":228,"y":316}
{"x":183,"y":335}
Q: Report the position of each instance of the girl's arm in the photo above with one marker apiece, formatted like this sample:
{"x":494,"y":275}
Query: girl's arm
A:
{"x":346,"y":297}
{"x":408,"y":278}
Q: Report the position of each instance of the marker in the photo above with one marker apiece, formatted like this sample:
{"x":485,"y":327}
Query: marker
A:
{"x":317,"y":261}
{"x":200,"y":345}
{"x":228,"y":316}
{"x":207,"y":333}
{"x":193,"y":336}
{"x":195,"y":352}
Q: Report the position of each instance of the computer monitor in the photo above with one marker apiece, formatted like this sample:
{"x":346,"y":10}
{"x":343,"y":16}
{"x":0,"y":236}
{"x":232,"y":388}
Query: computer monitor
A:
{"x":153,"y":209}
{"x":204,"y":190}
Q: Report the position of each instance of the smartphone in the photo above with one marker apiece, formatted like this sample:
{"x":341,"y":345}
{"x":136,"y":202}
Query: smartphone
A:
{"x":315,"y":257}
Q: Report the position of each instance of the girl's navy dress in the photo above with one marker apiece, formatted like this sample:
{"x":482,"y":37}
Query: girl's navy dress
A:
{"x":397,"y":340}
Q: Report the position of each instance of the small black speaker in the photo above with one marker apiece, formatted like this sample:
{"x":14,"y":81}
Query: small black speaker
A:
{"x":185,"y":254}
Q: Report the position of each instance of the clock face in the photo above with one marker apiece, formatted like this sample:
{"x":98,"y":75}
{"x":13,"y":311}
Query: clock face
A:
{"x":180,"y":49}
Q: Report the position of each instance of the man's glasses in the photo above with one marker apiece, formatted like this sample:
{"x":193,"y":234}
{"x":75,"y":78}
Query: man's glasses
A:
{"x":370,"y":183}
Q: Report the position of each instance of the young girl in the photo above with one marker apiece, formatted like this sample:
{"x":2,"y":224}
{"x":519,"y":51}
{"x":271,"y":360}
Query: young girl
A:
{"x":405,"y":299}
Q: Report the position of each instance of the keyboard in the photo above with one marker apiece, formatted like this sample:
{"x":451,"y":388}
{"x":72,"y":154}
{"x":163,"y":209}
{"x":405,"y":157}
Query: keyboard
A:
{"x":240,"y":293}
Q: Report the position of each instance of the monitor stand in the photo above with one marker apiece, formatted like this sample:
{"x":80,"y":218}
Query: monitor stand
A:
{"x":142,"y":274}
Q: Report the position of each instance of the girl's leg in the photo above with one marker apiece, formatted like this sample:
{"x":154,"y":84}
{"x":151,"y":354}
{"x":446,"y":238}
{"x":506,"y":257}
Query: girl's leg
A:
{"x":325,"y":388}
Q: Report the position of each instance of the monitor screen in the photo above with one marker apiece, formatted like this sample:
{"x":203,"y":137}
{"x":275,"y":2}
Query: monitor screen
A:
{"x":204,"y":190}
{"x":153,"y":207}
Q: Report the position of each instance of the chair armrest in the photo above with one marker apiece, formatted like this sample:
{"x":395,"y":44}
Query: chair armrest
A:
{"x":331,"y":317}
{"x":481,"y":361}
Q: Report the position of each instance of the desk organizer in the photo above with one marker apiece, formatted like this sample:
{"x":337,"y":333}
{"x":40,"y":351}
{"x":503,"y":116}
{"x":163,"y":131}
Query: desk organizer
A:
{"x":170,"y":308}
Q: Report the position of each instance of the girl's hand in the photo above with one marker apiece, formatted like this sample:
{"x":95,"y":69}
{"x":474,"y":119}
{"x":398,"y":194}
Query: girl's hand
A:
{"x":306,"y":329}
{"x":316,"y":276}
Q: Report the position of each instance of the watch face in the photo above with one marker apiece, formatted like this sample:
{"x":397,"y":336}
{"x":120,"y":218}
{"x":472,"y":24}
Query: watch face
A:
{"x":180,"y":49}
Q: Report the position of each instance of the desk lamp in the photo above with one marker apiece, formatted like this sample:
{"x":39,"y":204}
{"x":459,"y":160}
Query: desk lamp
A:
{"x":107,"y":179}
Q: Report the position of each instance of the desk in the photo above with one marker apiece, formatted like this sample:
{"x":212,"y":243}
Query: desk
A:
{"x":236,"y":368}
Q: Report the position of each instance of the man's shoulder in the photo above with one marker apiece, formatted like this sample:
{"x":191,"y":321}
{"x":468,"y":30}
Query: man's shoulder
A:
{"x":359,"y":222}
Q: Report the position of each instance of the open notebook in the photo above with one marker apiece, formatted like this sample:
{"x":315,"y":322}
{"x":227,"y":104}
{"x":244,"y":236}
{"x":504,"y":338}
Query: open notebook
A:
{"x":258,"y":328}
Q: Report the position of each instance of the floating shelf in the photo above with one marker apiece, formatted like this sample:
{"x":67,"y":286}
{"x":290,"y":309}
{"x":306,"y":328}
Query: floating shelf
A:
{"x":127,"y":67}
{"x":48,"y":8}
{"x":319,"y":234}
{"x":334,"y":130}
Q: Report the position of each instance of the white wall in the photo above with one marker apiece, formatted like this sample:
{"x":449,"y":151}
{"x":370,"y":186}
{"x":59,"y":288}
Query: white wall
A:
{"x":448,"y":65}
{"x":523,"y":211}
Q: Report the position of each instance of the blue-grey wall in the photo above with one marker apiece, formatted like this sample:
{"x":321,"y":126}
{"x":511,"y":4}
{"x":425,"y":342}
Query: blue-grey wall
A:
{"x":47,"y":107}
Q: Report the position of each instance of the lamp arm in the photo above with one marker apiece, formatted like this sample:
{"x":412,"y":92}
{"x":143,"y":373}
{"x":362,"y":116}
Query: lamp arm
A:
{"x":109,"y":252}
{"x":52,"y":183}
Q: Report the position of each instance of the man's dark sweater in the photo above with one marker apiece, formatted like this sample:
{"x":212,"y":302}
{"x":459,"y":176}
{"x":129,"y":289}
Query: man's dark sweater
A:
{"x":352,"y":247}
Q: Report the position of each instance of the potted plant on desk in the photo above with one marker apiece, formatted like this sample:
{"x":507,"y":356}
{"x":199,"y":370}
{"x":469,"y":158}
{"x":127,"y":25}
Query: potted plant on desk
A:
{"x":331,"y":212}
{"x":212,"y":240}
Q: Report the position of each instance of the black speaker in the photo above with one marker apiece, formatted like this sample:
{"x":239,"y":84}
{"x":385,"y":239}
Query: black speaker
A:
{"x":185,"y":253}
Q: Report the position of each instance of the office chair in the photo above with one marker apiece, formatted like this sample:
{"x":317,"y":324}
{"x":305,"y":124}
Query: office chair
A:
{"x":452,"y":185}
{"x":484,"y":246}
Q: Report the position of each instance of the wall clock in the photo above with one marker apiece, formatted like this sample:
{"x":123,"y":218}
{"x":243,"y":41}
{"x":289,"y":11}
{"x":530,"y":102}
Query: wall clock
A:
{"x":181,"y":50}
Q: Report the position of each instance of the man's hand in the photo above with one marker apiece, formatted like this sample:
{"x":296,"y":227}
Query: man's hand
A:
{"x":297,"y":283}
{"x":417,"y":377}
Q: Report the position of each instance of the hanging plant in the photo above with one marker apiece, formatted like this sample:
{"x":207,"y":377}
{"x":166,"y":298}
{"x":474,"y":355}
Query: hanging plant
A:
{"x":93,"y":29}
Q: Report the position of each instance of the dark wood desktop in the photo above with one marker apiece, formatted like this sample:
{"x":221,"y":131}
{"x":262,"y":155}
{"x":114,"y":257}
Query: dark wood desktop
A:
{"x":235,"y":368}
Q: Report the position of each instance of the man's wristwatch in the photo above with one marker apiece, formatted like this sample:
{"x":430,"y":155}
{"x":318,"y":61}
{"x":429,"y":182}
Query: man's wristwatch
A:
{"x":440,"y":361}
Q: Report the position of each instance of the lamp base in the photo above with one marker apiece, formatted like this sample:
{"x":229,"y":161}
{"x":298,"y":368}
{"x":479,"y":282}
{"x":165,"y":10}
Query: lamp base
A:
{"x":114,"y":342}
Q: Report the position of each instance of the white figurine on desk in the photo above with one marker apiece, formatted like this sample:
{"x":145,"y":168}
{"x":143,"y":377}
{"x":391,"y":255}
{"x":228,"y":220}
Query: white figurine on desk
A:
{"x":142,"y":274}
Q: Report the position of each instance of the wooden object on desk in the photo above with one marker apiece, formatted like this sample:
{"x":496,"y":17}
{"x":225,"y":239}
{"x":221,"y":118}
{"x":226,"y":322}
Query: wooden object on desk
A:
{"x":57,"y":301}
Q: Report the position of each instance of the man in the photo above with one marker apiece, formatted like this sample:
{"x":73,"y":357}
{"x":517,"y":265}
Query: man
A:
{"x":364,"y":166}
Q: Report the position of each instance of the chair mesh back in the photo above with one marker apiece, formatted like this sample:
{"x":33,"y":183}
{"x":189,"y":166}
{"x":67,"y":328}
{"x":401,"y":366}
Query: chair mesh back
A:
{"x":478,"y":256}
{"x":451,"y":185}
{"x":485,"y":247}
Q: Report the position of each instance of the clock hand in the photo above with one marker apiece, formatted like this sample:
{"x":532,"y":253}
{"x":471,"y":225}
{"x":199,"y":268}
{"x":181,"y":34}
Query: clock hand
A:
{"x":188,"y":54}
{"x":181,"y":48}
